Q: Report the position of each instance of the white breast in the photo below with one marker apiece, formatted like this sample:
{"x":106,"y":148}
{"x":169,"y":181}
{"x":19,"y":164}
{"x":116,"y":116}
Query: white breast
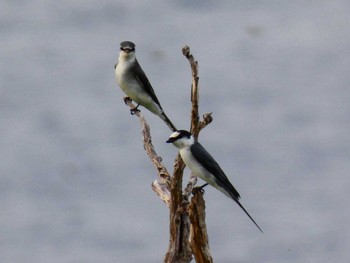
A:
{"x":131,"y":86}
{"x":126,"y":81}
{"x":196,"y":168}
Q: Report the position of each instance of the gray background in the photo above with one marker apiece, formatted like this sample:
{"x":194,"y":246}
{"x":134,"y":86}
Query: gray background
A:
{"x":74,"y":178}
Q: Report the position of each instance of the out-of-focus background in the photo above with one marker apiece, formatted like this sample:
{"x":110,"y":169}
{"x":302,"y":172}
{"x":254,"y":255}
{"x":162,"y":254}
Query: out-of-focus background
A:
{"x":74,"y":178}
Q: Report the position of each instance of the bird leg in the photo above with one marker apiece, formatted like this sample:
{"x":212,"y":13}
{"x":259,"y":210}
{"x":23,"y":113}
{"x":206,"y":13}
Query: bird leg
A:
{"x":132,"y":111}
{"x":128,"y":100}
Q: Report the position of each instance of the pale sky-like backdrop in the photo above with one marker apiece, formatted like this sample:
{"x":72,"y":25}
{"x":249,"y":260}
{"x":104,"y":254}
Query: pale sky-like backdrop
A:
{"x":75,"y":182}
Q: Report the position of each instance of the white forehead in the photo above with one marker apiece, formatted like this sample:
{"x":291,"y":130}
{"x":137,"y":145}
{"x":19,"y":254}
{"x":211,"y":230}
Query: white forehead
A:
{"x":174,"y":134}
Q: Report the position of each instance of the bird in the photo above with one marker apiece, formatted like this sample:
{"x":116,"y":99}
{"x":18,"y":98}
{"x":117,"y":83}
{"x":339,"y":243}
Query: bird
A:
{"x":203,"y":165}
{"x":135,"y":84}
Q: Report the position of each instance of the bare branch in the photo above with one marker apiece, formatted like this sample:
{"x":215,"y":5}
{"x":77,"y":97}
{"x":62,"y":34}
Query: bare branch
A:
{"x":162,"y":190}
{"x":190,"y":185}
{"x":207,"y":118}
{"x":188,"y":234}
{"x":179,"y":249}
{"x":169,"y":189}
{"x":199,"y":236}
{"x":194,"y":91}
{"x":163,"y":184}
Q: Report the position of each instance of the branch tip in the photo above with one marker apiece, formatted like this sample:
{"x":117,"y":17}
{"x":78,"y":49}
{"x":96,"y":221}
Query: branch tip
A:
{"x":186,"y":51}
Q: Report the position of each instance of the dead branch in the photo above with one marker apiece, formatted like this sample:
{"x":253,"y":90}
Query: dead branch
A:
{"x":188,"y":234}
{"x":199,"y":237}
{"x":179,"y":250}
{"x":162,"y":185}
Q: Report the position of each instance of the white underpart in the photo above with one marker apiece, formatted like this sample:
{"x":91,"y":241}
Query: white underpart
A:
{"x":196,"y":168}
{"x":131,"y":86}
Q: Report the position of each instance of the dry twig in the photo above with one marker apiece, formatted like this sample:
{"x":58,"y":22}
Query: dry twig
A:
{"x":188,"y":234}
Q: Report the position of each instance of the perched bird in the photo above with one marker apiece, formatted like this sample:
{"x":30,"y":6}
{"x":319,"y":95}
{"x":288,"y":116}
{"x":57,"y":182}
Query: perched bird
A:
{"x":203,"y":165}
{"x":135,"y":84}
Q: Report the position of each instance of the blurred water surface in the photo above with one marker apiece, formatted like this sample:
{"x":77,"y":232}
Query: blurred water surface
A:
{"x":74,"y":179}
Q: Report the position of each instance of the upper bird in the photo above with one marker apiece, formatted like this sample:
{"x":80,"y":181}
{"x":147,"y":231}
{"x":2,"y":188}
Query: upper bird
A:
{"x":135,"y":84}
{"x":203,"y":165}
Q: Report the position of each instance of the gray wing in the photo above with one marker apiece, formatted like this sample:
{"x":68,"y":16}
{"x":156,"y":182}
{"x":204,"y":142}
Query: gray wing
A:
{"x":141,"y":76}
{"x":213,"y":167}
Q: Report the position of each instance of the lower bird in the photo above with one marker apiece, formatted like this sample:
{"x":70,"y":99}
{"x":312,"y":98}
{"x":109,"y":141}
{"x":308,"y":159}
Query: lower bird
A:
{"x":135,"y":84}
{"x":203,"y":165}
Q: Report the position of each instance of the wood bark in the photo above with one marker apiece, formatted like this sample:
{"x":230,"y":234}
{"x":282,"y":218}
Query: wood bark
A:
{"x":188,"y":234}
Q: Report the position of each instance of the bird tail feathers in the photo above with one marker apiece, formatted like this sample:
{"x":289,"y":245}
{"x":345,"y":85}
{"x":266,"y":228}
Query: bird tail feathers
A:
{"x":245,"y":211}
{"x":167,"y":121}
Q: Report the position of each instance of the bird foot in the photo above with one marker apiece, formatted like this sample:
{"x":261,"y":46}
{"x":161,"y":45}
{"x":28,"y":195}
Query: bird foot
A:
{"x":199,"y":189}
{"x":127,"y":100}
{"x":134,"y":110}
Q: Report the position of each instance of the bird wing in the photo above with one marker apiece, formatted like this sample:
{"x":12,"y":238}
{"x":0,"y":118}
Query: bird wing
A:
{"x":212,"y":166}
{"x":208,"y":162}
{"x":142,"y":78}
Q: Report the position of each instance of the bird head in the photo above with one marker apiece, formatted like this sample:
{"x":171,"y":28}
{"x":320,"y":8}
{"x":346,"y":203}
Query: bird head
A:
{"x":127,"y":48}
{"x":181,"y":138}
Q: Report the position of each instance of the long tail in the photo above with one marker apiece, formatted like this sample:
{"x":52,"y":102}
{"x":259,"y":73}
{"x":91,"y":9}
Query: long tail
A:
{"x":167,"y":121}
{"x":245,"y":211}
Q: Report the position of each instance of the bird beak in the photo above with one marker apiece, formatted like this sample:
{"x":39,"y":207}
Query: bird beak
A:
{"x":126,"y":50}
{"x":170,"y":140}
